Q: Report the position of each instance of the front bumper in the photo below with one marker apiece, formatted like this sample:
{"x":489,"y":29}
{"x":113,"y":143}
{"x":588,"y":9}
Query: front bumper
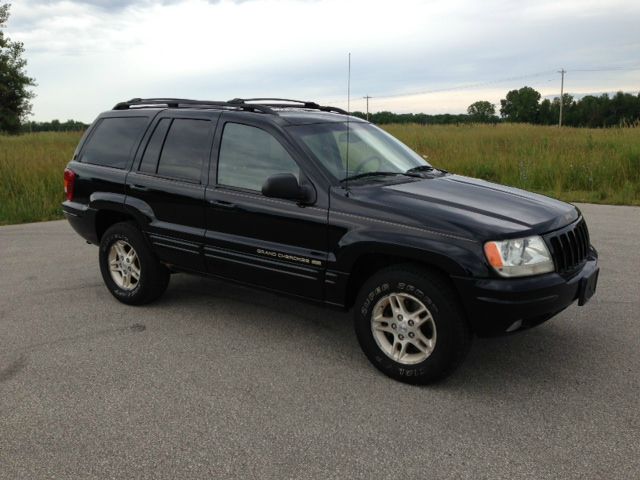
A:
{"x":496,"y":306}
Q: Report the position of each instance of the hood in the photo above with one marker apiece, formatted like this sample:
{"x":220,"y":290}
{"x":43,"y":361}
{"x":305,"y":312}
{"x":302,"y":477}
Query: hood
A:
{"x":476,"y":208}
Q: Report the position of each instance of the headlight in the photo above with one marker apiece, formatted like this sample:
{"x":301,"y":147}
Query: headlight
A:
{"x":519,"y":257}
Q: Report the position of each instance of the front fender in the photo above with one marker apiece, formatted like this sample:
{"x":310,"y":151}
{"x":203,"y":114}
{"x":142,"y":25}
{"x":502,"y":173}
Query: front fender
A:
{"x":453,"y":257}
{"x":440,"y":254}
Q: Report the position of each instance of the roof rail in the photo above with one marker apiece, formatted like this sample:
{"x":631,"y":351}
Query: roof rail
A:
{"x":277,"y":103}
{"x":187,"y":103}
{"x":261,"y":105}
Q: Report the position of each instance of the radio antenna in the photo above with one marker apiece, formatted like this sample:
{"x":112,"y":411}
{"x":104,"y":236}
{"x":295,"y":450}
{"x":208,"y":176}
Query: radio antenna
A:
{"x":346,"y":176}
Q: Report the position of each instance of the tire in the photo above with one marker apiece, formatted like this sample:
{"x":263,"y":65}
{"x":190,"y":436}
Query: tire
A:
{"x":410,"y":325}
{"x":147,"y":277}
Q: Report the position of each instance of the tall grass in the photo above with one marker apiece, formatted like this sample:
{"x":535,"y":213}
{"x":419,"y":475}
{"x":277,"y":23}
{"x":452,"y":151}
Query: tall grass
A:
{"x":573,"y":164}
{"x":31,"y":167}
{"x":589,"y":165}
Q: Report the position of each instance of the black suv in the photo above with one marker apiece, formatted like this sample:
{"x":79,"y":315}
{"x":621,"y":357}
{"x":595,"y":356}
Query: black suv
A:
{"x":305,"y":200}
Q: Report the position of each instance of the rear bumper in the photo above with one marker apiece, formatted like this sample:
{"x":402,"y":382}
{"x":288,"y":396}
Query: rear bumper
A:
{"x":82,"y":220}
{"x":498,"y":306}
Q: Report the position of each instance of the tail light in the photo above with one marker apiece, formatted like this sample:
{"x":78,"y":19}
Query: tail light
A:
{"x":69,"y":183}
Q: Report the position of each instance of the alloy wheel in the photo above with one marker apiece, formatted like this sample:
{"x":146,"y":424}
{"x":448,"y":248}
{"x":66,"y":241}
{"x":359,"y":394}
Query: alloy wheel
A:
{"x":403,"y":327}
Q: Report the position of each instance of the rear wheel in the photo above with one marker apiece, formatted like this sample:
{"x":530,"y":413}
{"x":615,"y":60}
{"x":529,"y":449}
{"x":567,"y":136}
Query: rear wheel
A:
{"x":129,"y":268}
{"x":410,"y":326}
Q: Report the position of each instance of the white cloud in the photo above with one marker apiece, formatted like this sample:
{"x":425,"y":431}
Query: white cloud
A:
{"x":87,"y":55}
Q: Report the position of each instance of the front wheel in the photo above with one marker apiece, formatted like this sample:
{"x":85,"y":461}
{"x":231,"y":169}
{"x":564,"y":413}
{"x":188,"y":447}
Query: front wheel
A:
{"x":410,"y":326}
{"x":129,"y":268}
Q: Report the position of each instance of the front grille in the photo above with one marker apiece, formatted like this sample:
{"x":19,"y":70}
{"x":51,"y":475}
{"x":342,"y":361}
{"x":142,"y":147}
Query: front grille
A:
{"x":569,"y":246}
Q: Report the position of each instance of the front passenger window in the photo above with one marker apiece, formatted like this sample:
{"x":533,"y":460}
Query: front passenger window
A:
{"x":249,"y":155}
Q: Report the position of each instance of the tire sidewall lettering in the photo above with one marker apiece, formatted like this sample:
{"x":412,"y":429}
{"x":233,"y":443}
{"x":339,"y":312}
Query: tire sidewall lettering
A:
{"x":373,"y":294}
{"x":400,"y":287}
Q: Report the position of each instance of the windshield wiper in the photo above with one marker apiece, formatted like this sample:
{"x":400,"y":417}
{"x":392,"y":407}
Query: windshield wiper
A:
{"x":420,"y":168}
{"x":424,"y":168}
{"x":371,"y":174}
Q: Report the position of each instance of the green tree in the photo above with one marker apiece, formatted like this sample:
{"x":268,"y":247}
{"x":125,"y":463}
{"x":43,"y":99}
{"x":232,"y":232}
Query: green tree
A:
{"x":546,"y":113}
{"x":521,"y":105}
{"x":482,"y":112}
{"x":590,"y":111}
{"x":15,"y":95}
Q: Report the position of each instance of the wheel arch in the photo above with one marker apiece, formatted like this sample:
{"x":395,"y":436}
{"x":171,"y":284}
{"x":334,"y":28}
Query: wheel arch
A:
{"x":114,"y":208}
{"x":371,"y":258}
{"x":107,"y":217}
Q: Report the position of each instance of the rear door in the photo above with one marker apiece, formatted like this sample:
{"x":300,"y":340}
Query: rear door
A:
{"x":274,"y":243}
{"x":167,"y":184}
{"x":102,"y":162}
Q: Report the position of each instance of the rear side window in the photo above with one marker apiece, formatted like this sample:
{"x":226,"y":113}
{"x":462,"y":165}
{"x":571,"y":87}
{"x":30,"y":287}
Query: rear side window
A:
{"x":113,"y":141}
{"x":249,"y":155}
{"x":186,"y":148}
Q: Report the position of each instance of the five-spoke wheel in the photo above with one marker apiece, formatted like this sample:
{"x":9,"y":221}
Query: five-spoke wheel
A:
{"x":403,"y":328}
{"x":124,"y":265}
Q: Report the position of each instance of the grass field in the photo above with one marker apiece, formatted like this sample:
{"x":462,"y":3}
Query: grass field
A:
{"x":586,"y":165}
{"x":572,"y":164}
{"x":31,"y":168}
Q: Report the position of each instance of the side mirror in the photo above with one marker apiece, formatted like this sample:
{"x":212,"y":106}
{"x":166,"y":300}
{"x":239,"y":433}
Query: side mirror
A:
{"x":285,"y":185}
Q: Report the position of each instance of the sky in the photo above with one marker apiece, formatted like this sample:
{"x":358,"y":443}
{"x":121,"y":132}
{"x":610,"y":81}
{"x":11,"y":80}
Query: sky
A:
{"x":432,"y":56}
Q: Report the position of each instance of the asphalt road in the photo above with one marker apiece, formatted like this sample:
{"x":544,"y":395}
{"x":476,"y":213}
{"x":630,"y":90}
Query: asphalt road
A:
{"x":218,"y":381}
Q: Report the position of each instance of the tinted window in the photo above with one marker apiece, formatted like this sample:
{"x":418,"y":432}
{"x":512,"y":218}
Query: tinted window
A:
{"x":112,"y":142}
{"x":249,"y":155}
{"x":149,"y":162}
{"x":185,"y":149}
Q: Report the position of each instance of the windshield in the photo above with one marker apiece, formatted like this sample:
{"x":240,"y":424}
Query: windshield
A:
{"x":370,"y":149}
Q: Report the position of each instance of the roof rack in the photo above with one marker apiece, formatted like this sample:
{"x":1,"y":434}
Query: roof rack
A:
{"x":277,"y":103}
{"x":260,"y":105}
{"x":187,"y":103}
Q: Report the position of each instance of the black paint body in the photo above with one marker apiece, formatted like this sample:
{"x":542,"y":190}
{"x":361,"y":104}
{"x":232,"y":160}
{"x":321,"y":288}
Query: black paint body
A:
{"x":321,"y":251}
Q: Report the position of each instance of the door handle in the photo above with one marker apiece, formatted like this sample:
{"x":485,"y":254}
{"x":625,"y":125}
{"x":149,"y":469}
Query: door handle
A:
{"x":221,"y":203}
{"x":140,"y":188}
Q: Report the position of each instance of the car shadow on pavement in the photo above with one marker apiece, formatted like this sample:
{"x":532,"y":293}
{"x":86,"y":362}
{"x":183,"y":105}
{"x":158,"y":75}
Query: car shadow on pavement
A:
{"x":533,"y":359}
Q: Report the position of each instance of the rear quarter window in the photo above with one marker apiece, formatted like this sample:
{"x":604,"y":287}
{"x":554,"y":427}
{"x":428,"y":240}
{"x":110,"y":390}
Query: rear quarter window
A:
{"x":113,"y":141}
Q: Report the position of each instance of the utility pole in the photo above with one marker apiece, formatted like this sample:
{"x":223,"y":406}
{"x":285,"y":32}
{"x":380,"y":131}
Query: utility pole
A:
{"x":561,"y":72}
{"x":367,"y":98}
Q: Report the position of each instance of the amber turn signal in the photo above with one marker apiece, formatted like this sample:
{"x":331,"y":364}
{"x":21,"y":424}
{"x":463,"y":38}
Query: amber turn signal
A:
{"x":493,"y":255}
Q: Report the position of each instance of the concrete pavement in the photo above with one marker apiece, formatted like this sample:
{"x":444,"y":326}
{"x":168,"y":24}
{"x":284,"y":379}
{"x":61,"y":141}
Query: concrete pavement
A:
{"x":218,"y":381}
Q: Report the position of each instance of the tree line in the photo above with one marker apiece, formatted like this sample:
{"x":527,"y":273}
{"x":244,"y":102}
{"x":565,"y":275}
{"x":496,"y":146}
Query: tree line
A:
{"x":524,"y":106}
{"x":380,"y":118}
{"x":519,"y":106}
{"x":54,"y":126}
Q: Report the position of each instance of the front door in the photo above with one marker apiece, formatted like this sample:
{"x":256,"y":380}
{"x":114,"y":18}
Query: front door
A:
{"x":274,"y":243}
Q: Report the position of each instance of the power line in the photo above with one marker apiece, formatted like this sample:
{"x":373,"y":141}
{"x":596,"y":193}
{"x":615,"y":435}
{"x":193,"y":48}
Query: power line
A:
{"x":502,"y":80}
{"x":608,"y":69}
{"x":463,"y":87}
